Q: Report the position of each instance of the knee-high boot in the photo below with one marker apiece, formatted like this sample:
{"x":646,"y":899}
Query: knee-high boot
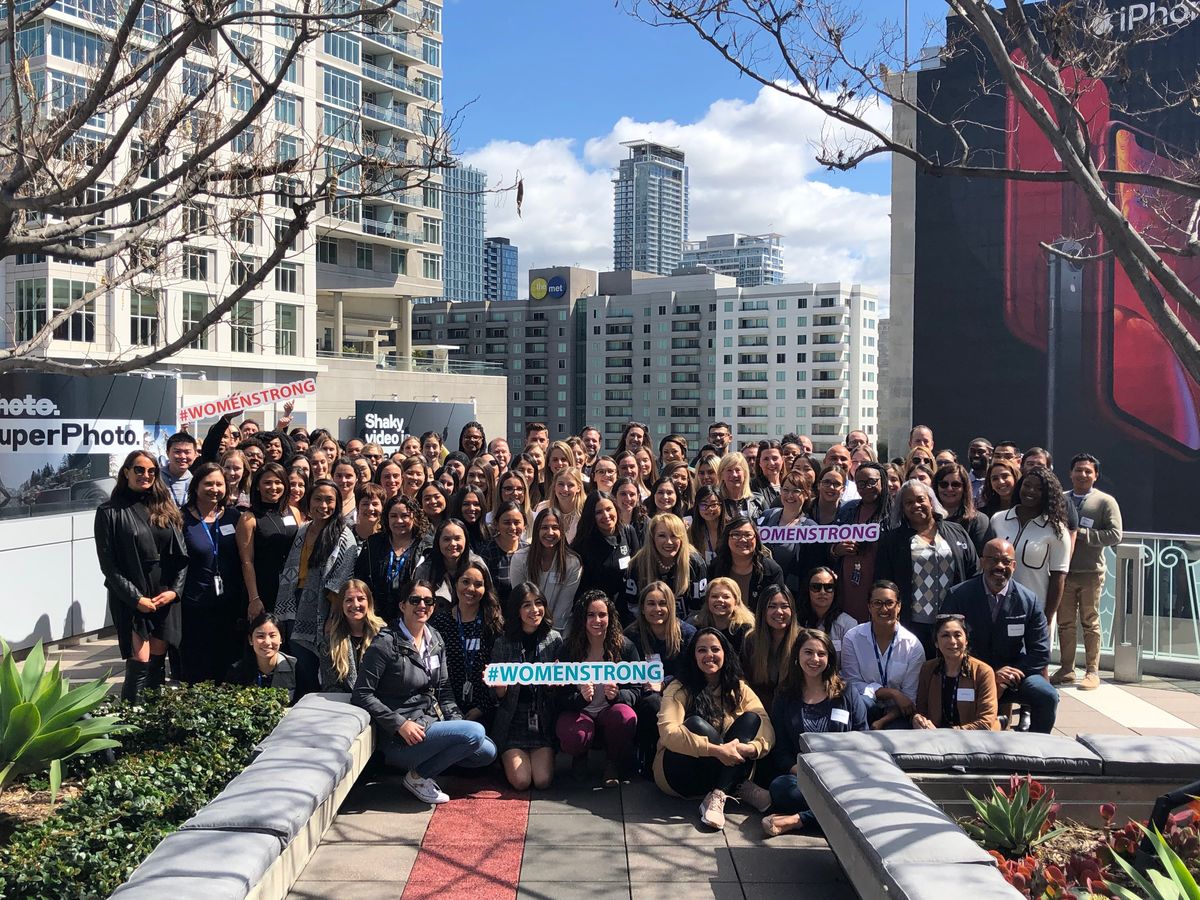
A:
{"x":156,"y":674}
{"x":135,"y":680}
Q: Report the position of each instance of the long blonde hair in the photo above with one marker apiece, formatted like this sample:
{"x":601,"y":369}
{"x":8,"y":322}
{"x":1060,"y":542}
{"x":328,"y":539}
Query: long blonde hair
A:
{"x":740,"y":615}
{"x":645,"y":561}
{"x":674,"y":640}
{"x":728,"y":461}
{"x":340,"y":645}
{"x":552,"y":500}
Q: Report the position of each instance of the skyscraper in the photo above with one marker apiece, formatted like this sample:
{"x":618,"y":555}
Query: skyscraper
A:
{"x":462,"y":233}
{"x":753,"y":259}
{"x":650,"y":208}
{"x":499,"y":269}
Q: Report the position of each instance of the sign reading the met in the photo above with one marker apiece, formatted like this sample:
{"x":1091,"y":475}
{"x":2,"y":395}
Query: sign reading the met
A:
{"x":62,"y":437}
{"x":388,"y":422}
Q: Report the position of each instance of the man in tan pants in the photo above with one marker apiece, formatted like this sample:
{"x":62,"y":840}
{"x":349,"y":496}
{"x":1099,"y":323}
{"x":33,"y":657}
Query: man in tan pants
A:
{"x":1099,"y":527}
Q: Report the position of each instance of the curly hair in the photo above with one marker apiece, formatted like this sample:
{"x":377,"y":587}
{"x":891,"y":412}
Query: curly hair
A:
{"x":576,"y":644}
{"x":420,"y":524}
{"x":1053,"y":502}
{"x":711,"y":705}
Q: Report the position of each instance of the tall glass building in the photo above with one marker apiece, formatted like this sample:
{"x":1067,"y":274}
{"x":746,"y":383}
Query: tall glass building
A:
{"x":753,"y":259}
{"x":464,"y":217}
{"x":499,"y":269}
{"x":650,"y":209}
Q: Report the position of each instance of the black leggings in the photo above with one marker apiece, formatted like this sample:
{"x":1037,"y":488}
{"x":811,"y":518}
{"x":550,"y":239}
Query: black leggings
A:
{"x":695,"y":776}
{"x":647,"y":726}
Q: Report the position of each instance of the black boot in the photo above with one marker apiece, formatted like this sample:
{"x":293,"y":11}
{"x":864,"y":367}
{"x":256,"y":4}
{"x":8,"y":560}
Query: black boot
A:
{"x":156,"y":674}
{"x":135,"y":680}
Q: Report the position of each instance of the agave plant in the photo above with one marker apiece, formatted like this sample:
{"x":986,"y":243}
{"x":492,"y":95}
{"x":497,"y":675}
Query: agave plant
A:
{"x":44,"y":721}
{"x":1012,"y":824}
{"x":1174,"y":882}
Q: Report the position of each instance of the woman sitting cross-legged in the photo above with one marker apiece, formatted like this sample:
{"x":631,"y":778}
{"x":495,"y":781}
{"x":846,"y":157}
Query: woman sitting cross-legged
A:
{"x":523,"y":728}
{"x":595,"y":636}
{"x":954,"y":690}
{"x":711,"y":729}
{"x":404,"y":685}
{"x":812,"y":699}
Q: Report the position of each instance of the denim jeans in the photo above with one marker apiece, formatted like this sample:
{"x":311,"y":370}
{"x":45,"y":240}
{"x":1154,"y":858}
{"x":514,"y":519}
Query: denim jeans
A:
{"x":446,"y":744}
{"x":786,"y":797}
{"x":1041,"y":697}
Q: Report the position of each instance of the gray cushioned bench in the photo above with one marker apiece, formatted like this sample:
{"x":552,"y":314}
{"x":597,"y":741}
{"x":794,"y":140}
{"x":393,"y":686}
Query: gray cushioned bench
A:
{"x":1157,"y":757}
{"x":888,"y":835}
{"x":256,"y":836}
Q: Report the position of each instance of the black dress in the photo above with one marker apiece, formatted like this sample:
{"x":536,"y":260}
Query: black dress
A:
{"x":139,"y":560}
{"x":214,"y":599}
{"x":273,"y":536}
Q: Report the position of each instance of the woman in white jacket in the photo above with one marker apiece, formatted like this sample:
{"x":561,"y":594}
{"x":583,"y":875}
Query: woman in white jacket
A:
{"x":550,"y":564}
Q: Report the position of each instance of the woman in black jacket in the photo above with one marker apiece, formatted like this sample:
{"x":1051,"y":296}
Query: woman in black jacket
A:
{"x":523,"y":728}
{"x":952,"y":485}
{"x":596,"y":636}
{"x":265,"y":664}
{"x":139,"y":545}
{"x":404,"y":684}
{"x":922,"y":537}
{"x":390,"y":557}
{"x":743,"y":557}
{"x":604,"y":545}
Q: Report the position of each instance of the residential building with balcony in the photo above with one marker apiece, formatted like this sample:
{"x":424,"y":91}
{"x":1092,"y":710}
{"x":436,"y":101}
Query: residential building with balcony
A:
{"x":650,"y":209}
{"x":499,"y":269}
{"x":752,"y":259}
{"x":464,"y":212}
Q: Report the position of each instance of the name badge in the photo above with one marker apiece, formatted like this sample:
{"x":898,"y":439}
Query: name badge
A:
{"x":289,"y":520}
{"x":1016,"y":629}
{"x":471,"y":644}
{"x":870,"y":689}
{"x":840,"y":715}
{"x":837,"y":646}
{"x":435,"y":663}
{"x":218,"y":585}
{"x":623,"y":563}
{"x":653,"y":658}
{"x":227,"y":529}
{"x":1085,"y":522}
{"x":585,"y":478}
{"x":966,"y":695}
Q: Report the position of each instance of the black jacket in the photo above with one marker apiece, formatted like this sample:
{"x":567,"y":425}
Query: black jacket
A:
{"x":893,"y":561}
{"x":245,"y":672}
{"x":601,"y":558}
{"x":570,"y":699}
{"x":395,"y":687}
{"x":121,"y":533}
{"x":371,"y":566}
{"x":770,"y":574}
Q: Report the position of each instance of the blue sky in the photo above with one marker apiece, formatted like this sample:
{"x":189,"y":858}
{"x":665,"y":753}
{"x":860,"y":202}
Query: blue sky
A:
{"x":550,"y":83}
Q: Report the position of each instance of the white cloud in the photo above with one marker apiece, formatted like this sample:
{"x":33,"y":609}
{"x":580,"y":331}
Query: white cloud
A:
{"x":751,"y":170}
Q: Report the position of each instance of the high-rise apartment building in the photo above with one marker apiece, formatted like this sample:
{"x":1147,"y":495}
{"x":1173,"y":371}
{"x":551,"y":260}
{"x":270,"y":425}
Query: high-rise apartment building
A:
{"x":352,"y":100}
{"x":499,"y":269}
{"x":650,"y":209}
{"x":464,"y":218}
{"x":752,"y":259}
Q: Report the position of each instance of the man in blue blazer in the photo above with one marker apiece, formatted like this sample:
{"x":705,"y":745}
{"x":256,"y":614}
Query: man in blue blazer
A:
{"x":1007,"y":630}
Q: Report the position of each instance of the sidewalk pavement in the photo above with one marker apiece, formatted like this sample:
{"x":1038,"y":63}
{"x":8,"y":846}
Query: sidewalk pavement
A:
{"x":577,"y":840}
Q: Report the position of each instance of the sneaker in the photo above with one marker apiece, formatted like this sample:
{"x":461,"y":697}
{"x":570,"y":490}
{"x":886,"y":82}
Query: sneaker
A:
{"x":712,"y":809}
{"x":755,"y":796}
{"x":425,"y":789}
{"x":1091,"y":681}
{"x":1063,"y":676}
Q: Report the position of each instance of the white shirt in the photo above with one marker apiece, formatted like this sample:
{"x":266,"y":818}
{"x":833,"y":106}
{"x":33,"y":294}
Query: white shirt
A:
{"x":1039,"y":550}
{"x":898,"y":667}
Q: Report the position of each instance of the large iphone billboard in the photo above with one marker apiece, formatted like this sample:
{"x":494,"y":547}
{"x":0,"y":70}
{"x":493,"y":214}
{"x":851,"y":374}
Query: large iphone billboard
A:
{"x":1014,"y":342}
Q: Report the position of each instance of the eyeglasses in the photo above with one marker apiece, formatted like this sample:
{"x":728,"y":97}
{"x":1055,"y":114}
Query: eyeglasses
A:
{"x":373,"y":455}
{"x":821,"y":587}
{"x":414,"y":600}
{"x":742,"y":538}
{"x":952,"y":484}
{"x":883,"y":604}
{"x":145,"y":470}
{"x":831,"y":484}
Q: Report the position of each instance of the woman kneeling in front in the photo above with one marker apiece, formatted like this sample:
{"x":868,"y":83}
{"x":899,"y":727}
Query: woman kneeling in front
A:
{"x":711,"y":729}
{"x":404,"y":685}
{"x":812,"y":699}
{"x":954,"y":690}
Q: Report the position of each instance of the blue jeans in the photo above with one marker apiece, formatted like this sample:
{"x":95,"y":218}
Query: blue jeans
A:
{"x":446,"y":744}
{"x":1041,"y":697}
{"x":786,"y":797}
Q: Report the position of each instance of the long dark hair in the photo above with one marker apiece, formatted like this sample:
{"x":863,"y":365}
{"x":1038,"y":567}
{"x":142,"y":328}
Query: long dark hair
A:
{"x":513,"y":630}
{"x":258,"y":506}
{"x":723,"y":564}
{"x":698,"y":530}
{"x":199,"y":473}
{"x":966,"y":509}
{"x":489,"y":605}
{"x":482,"y":444}
{"x":437,"y":562}
{"x":804,"y":610}
{"x":159,"y":503}
{"x":587,"y":521}
{"x":331,"y":534}
{"x":794,"y":682}
{"x":540,"y":559}
{"x":639,"y":511}
{"x":680,"y":507}
{"x":883,"y":514}
{"x":712,"y":706}
{"x":477,"y":532}
{"x":420,"y":524}
{"x":577,"y":639}
{"x":1053,"y":501}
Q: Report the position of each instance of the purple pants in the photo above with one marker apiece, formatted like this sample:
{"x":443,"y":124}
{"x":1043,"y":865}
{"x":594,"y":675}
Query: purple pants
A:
{"x":618,"y":725}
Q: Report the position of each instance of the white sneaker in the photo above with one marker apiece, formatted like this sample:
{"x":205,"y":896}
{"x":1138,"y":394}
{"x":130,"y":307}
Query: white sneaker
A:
{"x":425,"y":789}
{"x":712,"y":809}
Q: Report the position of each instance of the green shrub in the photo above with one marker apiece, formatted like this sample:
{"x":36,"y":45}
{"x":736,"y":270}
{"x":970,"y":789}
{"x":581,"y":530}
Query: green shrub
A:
{"x":190,"y":742}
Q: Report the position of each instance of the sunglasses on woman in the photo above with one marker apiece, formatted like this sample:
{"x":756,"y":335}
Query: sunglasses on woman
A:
{"x":821,"y":587}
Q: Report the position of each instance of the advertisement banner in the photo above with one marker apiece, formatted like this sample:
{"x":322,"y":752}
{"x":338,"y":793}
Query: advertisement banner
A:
{"x":388,"y":422}
{"x":62,"y":438}
{"x":246,"y":400}
{"x":1012,"y":342}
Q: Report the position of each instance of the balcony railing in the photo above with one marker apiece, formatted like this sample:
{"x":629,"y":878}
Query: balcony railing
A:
{"x":391,"y":116}
{"x":393,"y":41}
{"x":389,"y":77}
{"x":390,"y":230}
{"x":420,"y":363}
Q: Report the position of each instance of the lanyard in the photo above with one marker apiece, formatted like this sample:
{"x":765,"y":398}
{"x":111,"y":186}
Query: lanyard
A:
{"x":212,"y":538}
{"x":885,"y":661}
{"x":469,"y":656}
{"x":395,"y":564}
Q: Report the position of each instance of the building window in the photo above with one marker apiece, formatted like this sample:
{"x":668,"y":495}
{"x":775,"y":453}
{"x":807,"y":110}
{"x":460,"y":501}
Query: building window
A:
{"x":81,"y":325}
{"x":196,"y":218}
{"x":286,"y":330}
{"x":292,"y":76}
{"x":286,"y":107}
{"x":241,"y":321}
{"x":31,"y":307}
{"x":240,"y":268}
{"x":343,"y":46}
{"x":241,"y":94}
{"x":364,"y":256}
{"x":342,"y":90}
{"x":431,"y":266}
{"x":327,"y":251}
{"x":399,"y":261}
{"x":287,"y":278}
{"x":243,"y":228}
{"x":143,"y":318}
{"x":196,"y":263}
{"x":431,"y":51}
{"x":195,"y":306}
{"x":286,"y":148}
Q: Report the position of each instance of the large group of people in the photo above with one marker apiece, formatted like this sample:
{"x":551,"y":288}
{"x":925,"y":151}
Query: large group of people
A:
{"x":288,"y":559}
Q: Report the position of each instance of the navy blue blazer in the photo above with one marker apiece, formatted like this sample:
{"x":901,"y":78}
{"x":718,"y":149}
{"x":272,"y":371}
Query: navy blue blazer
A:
{"x":1018,"y":637}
